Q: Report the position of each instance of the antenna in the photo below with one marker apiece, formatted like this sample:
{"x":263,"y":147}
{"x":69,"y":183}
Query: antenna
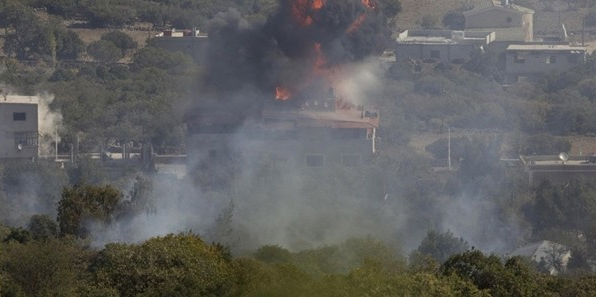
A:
{"x":20,"y":147}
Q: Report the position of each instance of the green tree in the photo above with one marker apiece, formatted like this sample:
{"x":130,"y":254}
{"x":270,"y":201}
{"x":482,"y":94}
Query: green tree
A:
{"x":174,"y":265}
{"x":454,"y":20}
{"x":272,"y":254}
{"x":428,"y":22}
{"x":442,"y":245}
{"x":122,"y":40}
{"x":104,"y":51}
{"x":42,"y":227}
{"x":83,"y":204}
{"x":69,"y":45}
{"x":42,"y":268}
{"x":106,"y":13}
{"x":515,"y":278}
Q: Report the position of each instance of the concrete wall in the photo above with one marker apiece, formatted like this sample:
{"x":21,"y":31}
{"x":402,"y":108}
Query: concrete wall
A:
{"x":495,"y":18}
{"x":9,"y":127}
{"x":214,"y":148}
{"x":540,"y":62}
{"x":421,"y":52}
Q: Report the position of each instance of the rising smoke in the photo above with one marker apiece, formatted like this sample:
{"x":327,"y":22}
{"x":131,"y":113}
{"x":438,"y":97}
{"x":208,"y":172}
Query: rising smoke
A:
{"x":305,"y":45}
{"x":300,"y":36}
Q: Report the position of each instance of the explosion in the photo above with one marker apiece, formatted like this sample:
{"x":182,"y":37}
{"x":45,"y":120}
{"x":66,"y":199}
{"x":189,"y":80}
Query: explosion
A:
{"x":302,"y":47}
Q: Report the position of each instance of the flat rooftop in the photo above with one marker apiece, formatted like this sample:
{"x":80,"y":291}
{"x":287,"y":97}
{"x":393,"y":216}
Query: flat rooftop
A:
{"x":332,"y":119}
{"x":545,"y":47}
{"x":19,"y":99}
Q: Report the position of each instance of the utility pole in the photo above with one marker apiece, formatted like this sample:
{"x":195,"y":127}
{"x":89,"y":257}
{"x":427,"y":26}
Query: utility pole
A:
{"x":449,"y":147}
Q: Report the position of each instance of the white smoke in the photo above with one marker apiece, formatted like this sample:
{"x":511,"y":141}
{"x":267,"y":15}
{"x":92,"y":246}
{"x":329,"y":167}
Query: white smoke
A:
{"x":49,"y":123}
{"x":176,"y":206}
{"x":358,"y":82}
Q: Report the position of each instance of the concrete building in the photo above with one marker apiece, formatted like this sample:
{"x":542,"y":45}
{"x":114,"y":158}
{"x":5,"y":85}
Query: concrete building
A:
{"x":190,"y":42}
{"x":19,"y":132}
{"x":320,"y":133}
{"x":555,"y":170}
{"x":536,"y":59}
{"x":439,"y":45}
{"x":510,"y":22}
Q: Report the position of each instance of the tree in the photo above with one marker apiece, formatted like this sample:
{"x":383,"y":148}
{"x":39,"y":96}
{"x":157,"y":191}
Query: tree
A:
{"x":272,"y":254}
{"x":104,"y":51}
{"x":173,"y":265}
{"x":122,"y":40}
{"x":515,"y":278}
{"x":81,"y":205}
{"x":428,"y":22}
{"x":42,"y":268}
{"x":442,"y":245}
{"x":104,"y":13}
{"x":454,"y":20}
{"x":69,"y":45}
{"x":42,"y":227}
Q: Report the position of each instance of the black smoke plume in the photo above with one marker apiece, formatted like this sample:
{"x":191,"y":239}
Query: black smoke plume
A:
{"x":282,"y":51}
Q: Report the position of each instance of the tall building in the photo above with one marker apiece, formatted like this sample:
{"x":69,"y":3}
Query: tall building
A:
{"x":19,"y":130}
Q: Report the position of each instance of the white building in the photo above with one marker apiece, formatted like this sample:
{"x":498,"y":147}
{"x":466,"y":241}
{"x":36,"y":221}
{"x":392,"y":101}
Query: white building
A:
{"x":19,"y":130}
{"x":537,"y":59}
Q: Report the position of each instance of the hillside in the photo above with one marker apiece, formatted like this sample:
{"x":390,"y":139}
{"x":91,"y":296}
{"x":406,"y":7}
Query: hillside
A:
{"x":414,"y":10}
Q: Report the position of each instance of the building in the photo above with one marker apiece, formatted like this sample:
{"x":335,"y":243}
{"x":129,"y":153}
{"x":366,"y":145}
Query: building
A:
{"x":555,"y":170}
{"x":510,"y":22}
{"x":190,"y":42}
{"x":550,"y":256}
{"x":319,"y":133}
{"x":439,"y":45}
{"x":535,"y":59}
{"x":19,"y":132}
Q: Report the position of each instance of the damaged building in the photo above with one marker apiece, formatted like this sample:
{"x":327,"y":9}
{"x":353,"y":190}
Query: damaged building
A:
{"x":320,"y":133}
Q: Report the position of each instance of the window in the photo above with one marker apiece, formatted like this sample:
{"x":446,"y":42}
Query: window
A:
{"x":519,"y":58}
{"x":314,"y":161}
{"x":25,"y":138}
{"x":19,"y":116}
{"x":435,"y":54}
{"x":551,"y":59}
{"x":350,"y":160}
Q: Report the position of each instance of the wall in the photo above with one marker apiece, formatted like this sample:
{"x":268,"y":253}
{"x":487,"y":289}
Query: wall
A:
{"x":496,"y":17}
{"x":8,"y":127}
{"x":447,"y":52}
{"x":536,"y":62}
{"x":292,"y":149}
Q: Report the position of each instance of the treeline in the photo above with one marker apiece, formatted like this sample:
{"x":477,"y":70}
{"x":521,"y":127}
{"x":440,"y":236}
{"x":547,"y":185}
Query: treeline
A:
{"x":36,"y":263}
{"x":119,"y":13}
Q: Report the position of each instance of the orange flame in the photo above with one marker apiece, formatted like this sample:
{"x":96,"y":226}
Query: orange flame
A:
{"x":370,"y":4}
{"x":319,"y":58}
{"x":317,"y":4}
{"x":301,"y":10}
{"x":356,"y":24}
{"x":282,"y":93}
